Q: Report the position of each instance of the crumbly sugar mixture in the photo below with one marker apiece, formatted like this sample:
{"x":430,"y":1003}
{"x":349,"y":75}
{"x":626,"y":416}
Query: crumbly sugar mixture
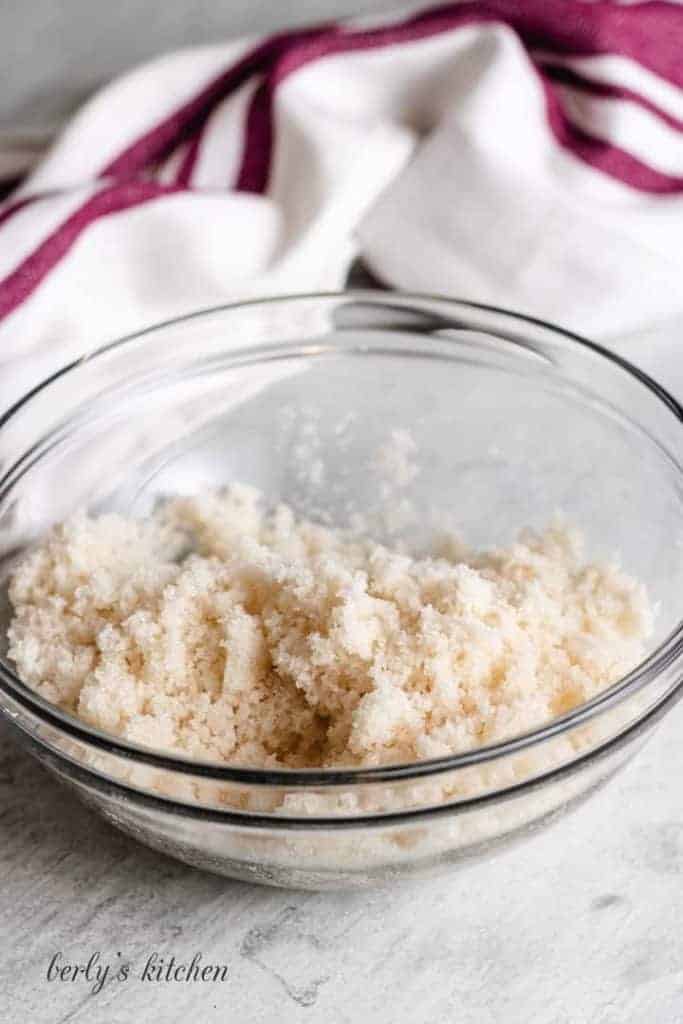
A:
{"x":224,"y":630}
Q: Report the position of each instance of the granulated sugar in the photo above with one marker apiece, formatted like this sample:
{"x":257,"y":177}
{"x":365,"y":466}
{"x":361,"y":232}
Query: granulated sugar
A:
{"x":219,"y":629}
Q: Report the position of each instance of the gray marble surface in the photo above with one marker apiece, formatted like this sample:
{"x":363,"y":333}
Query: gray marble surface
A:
{"x":579,"y":924}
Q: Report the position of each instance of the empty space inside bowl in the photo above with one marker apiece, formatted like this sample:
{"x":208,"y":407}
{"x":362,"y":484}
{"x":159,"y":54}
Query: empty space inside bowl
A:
{"x":398,"y":431}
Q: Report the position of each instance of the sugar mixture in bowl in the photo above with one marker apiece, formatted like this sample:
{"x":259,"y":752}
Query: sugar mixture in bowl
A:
{"x":220,"y":629}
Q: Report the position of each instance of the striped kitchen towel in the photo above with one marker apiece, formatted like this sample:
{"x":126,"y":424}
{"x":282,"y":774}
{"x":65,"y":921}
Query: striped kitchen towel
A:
{"x":526,"y":153}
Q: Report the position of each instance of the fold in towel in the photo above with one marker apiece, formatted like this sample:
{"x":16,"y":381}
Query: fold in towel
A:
{"x":525,"y":153}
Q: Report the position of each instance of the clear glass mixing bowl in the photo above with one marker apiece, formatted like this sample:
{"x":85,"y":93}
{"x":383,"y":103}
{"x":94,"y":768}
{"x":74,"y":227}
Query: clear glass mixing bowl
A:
{"x":513,"y":420}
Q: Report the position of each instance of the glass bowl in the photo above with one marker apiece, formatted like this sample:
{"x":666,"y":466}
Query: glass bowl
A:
{"x":512,"y":420}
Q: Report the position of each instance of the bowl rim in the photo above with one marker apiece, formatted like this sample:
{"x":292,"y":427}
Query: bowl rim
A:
{"x":657,"y":660}
{"x":106,"y":786}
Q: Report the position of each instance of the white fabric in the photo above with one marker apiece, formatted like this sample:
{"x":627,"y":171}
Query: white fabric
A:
{"x":432,"y":160}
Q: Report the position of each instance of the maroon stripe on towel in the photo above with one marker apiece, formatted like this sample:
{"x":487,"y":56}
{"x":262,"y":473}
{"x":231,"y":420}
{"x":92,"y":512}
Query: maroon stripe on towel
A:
{"x":187,"y":164}
{"x":650,"y":32}
{"x":605,"y":156}
{"x":18,"y":285}
{"x":575,"y":80}
{"x":259,"y":132}
{"x":258,"y":141}
{"x":556,"y":24}
{"x":15,"y":207}
{"x":157,"y":143}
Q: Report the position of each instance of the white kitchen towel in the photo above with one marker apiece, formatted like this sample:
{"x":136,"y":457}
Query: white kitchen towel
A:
{"x":526,"y":153}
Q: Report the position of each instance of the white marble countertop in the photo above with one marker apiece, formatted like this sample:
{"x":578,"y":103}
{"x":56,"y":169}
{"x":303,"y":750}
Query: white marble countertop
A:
{"x":580,"y":924}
